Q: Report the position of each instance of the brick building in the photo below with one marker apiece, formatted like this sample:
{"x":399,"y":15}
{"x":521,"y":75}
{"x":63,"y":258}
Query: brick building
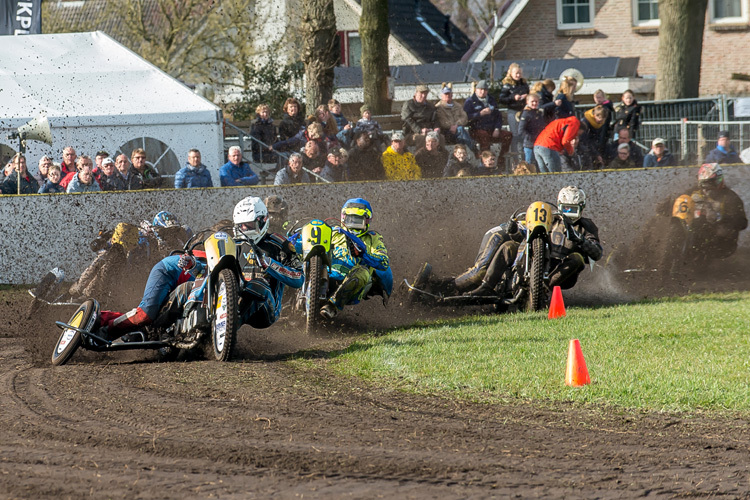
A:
{"x":546,"y":29}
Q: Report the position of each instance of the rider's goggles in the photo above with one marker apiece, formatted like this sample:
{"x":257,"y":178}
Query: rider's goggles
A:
{"x":249,"y":226}
{"x":572,"y":212}
{"x":355,"y":221}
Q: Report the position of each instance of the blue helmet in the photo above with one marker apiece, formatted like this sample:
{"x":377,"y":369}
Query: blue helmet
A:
{"x":356,"y":215}
{"x":165,"y":219}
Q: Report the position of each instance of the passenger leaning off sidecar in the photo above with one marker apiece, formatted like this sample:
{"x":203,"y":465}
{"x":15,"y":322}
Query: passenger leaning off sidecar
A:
{"x":358,"y":254}
{"x":265,"y":275}
{"x":719,"y":213}
{"x":165,"y":276}
{"x":569,"y":254}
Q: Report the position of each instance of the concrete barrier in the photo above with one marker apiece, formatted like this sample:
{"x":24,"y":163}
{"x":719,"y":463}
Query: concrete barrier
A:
{"x":439,"y":220}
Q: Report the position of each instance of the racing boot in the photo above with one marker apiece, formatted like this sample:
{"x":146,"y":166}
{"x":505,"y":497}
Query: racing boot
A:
{"x":328,"y":311}
{"x":486,"y":289}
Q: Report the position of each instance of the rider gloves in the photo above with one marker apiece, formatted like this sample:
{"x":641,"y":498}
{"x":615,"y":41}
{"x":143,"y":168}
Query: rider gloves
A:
{"x":186,"y":262}
{"x":591,"y":249}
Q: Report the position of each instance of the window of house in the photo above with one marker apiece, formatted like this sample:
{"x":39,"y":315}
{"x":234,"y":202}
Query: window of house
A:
{"x":573,"y":14}
{"x":645,"y":12}
{"x":728,"y":11}
{"x":355,"y":50}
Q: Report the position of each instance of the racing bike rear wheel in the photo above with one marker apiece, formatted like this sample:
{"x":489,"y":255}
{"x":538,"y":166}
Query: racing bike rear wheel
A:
{"x":69,"y":341}
{"x":536,"y":277}
{"x":313,"y":300}
{"x":226,"y":316}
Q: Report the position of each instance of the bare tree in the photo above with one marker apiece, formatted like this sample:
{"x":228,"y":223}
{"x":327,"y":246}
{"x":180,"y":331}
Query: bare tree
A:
{"x":680,"y":48}
{"x":194,"y":40}
{"x":374,"y":32}
{"x":319,"y":50}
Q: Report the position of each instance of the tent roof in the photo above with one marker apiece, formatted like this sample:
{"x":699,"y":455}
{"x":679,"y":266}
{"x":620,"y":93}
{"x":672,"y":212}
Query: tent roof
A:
{"x":89,"y":79}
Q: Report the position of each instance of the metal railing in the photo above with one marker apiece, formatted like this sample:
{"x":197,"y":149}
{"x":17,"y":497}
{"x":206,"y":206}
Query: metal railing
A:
{"x":691,"y":140}
{"x":264,"y":172}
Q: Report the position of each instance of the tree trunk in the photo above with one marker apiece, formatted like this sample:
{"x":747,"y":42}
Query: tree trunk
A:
{"x":680,"y":48}
{"x":374,"y":32}
{"x":319,"y":51}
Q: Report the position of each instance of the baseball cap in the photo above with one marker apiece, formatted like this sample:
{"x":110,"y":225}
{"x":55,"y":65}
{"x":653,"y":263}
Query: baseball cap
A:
{"x":108,"y":161}
{"x":658,"y":140}
{"x":482,"y":84}
{"x":423,"y":88}
{"x":397,"y":136}
{"x":624,"y":146}
{"x":723,"y":133}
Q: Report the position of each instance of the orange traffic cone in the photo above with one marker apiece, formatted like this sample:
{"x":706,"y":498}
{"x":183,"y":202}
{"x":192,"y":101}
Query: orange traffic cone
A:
{"x":577,"y":374}
{"x":556,"y":307}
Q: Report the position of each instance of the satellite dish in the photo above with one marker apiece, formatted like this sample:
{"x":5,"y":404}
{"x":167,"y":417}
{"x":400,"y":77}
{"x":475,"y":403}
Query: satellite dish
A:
{"x":37,"y":129}
{"x":573,"y":73}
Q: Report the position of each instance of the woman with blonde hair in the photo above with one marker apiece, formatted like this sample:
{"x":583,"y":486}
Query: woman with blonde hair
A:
{"x":513,"y":95}
{"x":564,"y":101}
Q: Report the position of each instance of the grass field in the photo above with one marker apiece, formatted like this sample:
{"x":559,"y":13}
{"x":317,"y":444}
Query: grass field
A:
{"x":682,"y":354}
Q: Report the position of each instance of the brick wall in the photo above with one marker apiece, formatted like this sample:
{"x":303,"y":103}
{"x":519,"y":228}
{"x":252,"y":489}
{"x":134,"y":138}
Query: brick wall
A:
{"x":533,"y":35}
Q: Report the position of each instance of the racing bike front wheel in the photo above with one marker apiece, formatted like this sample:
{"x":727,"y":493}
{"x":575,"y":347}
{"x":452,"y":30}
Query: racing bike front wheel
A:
{"x":536,"y":277}
{"x":313,"y":300}
{"x":226,"y":316}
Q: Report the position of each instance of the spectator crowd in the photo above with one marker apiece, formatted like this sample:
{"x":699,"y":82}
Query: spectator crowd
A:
{"x":545,"y":133}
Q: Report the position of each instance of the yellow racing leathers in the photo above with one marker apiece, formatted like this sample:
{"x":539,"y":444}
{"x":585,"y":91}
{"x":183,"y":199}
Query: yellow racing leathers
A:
{"x":361,"y":264}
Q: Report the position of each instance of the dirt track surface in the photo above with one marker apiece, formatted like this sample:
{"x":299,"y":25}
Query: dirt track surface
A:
{"x":123,"y":426}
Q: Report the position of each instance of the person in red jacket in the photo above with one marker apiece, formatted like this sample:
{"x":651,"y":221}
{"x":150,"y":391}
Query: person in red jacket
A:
{"x":559,"y":137}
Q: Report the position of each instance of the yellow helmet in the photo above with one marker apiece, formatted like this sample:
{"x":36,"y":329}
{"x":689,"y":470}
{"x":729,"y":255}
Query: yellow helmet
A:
{"x":126,"y":235}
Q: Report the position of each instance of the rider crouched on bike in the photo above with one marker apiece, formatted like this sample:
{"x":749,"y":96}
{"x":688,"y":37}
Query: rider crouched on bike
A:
{"x":268,"y":263}
{"x":358,"y":254}
{"x":570,"y":251}
{"x":719,"y":213}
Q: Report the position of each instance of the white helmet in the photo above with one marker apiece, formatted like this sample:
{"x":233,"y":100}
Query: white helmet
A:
{"x":571,"y":202}
{"x":250,"y":219}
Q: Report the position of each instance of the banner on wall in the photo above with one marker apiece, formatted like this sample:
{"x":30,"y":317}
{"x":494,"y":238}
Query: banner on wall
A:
{"x":20,"y":17}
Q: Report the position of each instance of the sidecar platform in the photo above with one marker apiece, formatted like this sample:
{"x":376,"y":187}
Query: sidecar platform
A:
{"x":94,"y":342}
{"x":454,"y":300}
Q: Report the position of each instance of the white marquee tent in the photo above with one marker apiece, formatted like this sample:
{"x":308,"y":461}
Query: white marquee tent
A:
{"x":98,"y":95}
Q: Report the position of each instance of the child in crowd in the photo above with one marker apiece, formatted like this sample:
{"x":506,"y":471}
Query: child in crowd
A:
{"x":530,"y":124}
{"x":52,"y":184}
{"x":602,"y":99}
{"x":264,"y":131}
{"x":335,"y":108}
{"x":369,"y":126}
{"x":628,"y":113}
{"x":524,"y":168}
{"x":487,"y":164}
{"x":458,"y":161}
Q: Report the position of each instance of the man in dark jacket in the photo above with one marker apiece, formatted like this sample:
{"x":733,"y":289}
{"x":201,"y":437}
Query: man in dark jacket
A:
{"x":365,"y":160}
{"x":432,"y":158}
{"x":150,"y":178}
{"x":28,"y":184}
{"x":724,"y":153}
{"x":129,"y":175}
{"x":109,"y":178}
{"x":659,"y":156}
{"x":485,"y":119}
{"x":418,"y":116}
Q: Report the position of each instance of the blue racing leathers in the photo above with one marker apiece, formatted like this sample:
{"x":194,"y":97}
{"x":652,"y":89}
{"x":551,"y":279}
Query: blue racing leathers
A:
{"x":165,"y":276}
